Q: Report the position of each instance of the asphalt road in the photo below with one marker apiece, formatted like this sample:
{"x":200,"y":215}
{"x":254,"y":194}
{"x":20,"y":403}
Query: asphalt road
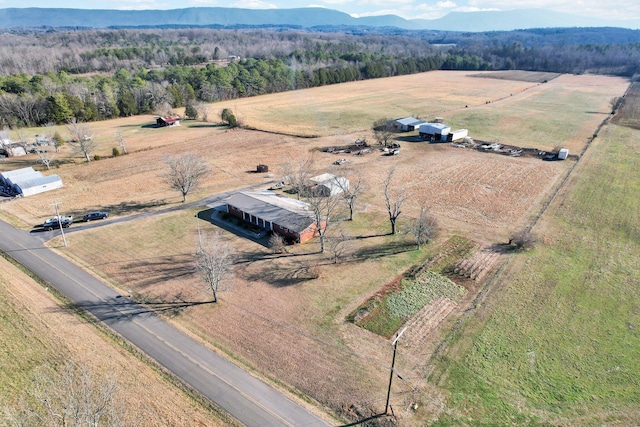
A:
{"x":244,"y":397}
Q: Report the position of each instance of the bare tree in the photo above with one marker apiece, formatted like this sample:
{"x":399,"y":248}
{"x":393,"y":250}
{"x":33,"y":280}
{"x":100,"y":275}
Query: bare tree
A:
{"x":425,"y":227}
{"x":297,"y":174}
{"x":351,"y":190}
{"x":81,"y":141}
{"x":277,"y":244}
{"x":383,"y":131}
{"x":214,"y":262}
{"x":523,"y":240}
{"x":75,"y":396}
{"x":45,"y":156}
{"x":339,"y":244}
{"x":123,"y":147}
{"x":22,"y":137}
{"x":323,"y":208}
{"x":203,"y":111}
{"x":185,"y":173}
{"x":5,"y":142}
{"x":394,"y":197}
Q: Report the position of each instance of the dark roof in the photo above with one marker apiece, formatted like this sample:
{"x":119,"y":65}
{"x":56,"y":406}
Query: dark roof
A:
{"x":284,"y":211}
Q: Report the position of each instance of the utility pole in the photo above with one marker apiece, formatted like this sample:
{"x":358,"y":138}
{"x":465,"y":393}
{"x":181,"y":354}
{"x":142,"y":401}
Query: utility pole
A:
{"x":393,"y":362}
{"x":64,"y":239}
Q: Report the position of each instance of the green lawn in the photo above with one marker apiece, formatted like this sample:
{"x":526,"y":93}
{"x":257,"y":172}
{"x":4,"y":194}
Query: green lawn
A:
{"x":561,"y":345}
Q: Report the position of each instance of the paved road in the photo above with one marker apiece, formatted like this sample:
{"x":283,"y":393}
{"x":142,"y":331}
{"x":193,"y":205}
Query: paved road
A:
{"x":244,"y":397}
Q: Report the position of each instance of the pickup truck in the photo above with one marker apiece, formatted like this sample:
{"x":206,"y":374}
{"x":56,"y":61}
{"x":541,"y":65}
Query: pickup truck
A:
{"x":56,"y":221}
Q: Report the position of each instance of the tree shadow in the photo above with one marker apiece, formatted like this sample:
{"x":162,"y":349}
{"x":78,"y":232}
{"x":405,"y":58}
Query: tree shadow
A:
{"x":383,"y":250}
{"x":120,"y":309}
{"x":159,"y":269}
{"x":409,"y":138}
{"x":281,"y":277}
{"x":121,"y":209}
{"x":208,"y":125}
{"x":369,"y":236}
{"x":503,"y":248}
{"x":212,"y":217}
{"x":368,"y":421}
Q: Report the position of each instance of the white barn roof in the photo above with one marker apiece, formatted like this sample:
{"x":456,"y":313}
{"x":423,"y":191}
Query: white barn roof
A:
{"x":408,"y":121}
{"x":432,"y":128}
{"x":6,"y":177}
{"x":335,"y":184}
{"x":40,"y":184}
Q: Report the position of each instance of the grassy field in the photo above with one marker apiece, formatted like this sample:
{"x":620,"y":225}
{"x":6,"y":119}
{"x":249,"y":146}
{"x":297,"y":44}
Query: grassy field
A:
{"x":36,"y":331}
{"x":559,"y":344}
{"x":278,"y":319}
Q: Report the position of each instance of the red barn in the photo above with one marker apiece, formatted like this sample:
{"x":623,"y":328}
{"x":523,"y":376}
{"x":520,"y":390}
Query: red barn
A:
{"x":168,"y":121}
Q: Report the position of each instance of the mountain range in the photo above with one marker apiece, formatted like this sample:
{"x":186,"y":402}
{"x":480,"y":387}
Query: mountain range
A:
{"x":298,"y":17}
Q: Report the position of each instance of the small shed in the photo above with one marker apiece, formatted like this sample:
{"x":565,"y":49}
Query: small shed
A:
{"x":434,"y":131}
{"x":563,"y":154}
{"x":164,"y":121}
{"x":406,"y":124}
{"x":327,"y":184}
{"x":262,"y":168}
{"x":457,"y":135}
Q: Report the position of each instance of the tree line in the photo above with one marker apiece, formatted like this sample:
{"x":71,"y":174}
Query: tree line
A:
{"x":55,"y":76}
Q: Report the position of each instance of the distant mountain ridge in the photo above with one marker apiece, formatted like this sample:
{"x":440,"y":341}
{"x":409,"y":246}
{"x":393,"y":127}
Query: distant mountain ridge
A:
{"x":297,"y":17}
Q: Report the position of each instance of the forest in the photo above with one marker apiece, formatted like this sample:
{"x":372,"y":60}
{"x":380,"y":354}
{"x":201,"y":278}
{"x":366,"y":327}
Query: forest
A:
{"x":52,"y":75}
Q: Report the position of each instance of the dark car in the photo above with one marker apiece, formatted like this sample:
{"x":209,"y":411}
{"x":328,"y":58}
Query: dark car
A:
{"x":95,"y":215}
{"x":57,"y":222}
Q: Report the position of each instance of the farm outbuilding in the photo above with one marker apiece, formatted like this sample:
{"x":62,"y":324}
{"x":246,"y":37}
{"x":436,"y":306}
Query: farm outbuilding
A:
{"x":327,"y":184}
{"x":6,"y":177}
{"x":290,"y":218}
{"x":457,"y":135}
{"x":436,"y":132}
{"x":27,"y":181}
{"x":168,"y":121}
{"x":35,"y":185}
{"x":407,"y":124}
{"x":563,"y":154}
{"x":8,"y":148}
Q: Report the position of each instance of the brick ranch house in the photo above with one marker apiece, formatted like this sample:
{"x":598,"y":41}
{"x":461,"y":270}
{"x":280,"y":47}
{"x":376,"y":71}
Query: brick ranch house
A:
{"x":290,"y":218}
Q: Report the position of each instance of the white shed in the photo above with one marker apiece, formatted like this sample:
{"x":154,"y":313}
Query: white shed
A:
{"x":329,"y":185}
{"x":5,"y":177}
{"x":457,"y":135}
{"x":563,"y":154}
{"x":407,"y":124}
{"x":35,"y":185}
{"x":434,"y":131}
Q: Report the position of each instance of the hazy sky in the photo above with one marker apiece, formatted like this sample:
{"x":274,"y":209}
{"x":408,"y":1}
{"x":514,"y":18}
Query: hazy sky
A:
{"x":609,"y":9}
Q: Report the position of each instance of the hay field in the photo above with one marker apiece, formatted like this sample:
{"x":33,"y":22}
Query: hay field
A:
{"x":352,"y":107}
{"x":36,"y":330}
{"x":285,"y":325}
{"x":557,"y":341}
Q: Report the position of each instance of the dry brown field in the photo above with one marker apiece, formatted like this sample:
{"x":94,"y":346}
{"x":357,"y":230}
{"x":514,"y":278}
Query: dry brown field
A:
{"x":276,"y":319}
{"x":40,"y":332}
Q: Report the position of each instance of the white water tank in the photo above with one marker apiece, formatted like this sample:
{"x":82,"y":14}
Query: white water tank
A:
{"x":563,"y":153}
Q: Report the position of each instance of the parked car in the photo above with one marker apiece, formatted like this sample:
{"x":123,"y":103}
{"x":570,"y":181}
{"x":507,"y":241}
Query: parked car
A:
{"x":95,"y":215}
{"x":57,"y":221}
